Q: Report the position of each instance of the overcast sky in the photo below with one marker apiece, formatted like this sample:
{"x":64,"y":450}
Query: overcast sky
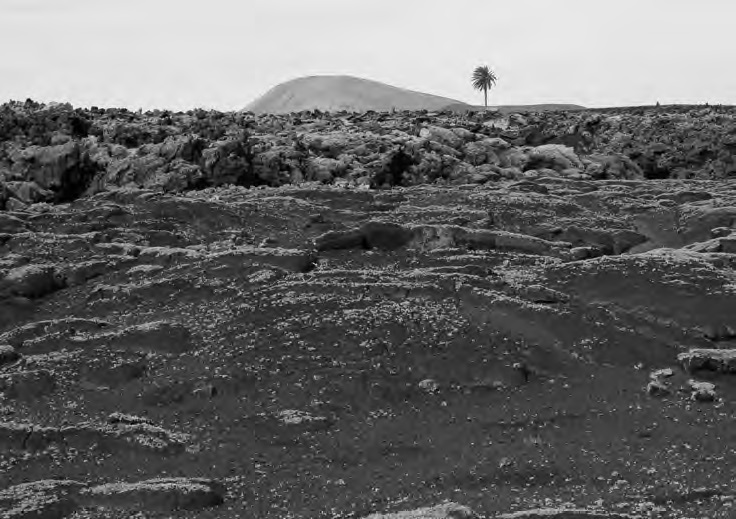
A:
{"x":222,"y":54}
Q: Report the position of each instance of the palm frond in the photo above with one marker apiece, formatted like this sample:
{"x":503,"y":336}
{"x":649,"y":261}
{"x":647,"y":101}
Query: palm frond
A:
{"x":483,"y":78}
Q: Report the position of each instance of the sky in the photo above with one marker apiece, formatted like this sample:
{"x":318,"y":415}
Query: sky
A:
{"x":222,"y":54}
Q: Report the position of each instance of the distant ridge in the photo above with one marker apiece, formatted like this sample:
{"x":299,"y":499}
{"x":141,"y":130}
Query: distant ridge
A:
{"x":464,"y":107}
{"x":336,"y":93}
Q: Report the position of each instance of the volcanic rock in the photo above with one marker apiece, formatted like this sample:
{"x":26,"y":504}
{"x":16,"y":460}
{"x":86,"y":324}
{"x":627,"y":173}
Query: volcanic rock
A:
{"x":555,"y":513}
{"x":443,"y":511}
{"x":47,"y":499}
{"x":708,"y":359}
{"x":156,"y":495}
{"x":272,"y":300}
{"x":31,"y":281}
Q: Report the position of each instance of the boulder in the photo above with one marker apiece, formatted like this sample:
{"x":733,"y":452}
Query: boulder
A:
{"x":497,"y":143}
{"x":13,"y":204}
{"x":27,"y":193}
{"x":481,"y":152}
{"x":553,"y":156}
{"x":441,"y":135}
{"x":324,"y":169}
{"x":516,"y":159}
{"x":57,"y":168}
{"x":702,"y":391}
{"x":226,"y":162}
{"x":616,"y":166}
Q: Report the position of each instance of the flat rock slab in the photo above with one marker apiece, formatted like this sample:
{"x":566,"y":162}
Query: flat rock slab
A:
{"x":118,"y":436}
{"x":57,"y":499}
{"x":55,"y":329}
{"x":443,"y":511}
{"x":293,"y":260}
{"x":159,"y":495}
{"x":157,"y":336}
{"x":556,"y":513}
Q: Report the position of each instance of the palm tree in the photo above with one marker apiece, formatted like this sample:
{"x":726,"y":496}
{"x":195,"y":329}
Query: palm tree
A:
{"x":484,"y":79}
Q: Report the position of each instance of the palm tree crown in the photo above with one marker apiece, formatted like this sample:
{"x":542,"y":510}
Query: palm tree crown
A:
{"x":483,"y":79}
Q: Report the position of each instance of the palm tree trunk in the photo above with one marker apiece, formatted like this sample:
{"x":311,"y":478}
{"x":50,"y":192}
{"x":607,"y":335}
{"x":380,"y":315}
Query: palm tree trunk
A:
{"x":485,"y":93}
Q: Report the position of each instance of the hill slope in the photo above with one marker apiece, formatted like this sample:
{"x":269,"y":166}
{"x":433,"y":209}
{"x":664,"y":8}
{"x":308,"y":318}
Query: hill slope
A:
{"x":333,"y":93}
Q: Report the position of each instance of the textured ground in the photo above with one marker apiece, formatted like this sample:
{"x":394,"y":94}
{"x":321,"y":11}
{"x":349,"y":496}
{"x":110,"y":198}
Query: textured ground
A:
{"x":323,"y":351}
{"x":532,"y":313}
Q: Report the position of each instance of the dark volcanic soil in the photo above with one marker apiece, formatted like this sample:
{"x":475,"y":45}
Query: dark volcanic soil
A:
{"x":493,"y":329}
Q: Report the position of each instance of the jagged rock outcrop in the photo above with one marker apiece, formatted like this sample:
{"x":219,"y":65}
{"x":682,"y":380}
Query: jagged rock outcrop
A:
{"x":723,"y":361}
{"x":53,"y":157}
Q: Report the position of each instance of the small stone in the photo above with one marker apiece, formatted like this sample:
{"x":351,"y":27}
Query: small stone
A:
{"x":429,"y":385}
{"x":662,"y":373}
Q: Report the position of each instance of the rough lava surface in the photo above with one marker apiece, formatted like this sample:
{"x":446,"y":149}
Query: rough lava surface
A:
{"x":394,"y":315}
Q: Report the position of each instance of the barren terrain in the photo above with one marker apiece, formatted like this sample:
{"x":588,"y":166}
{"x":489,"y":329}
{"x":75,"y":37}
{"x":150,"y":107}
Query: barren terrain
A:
{"x":334,"y":315}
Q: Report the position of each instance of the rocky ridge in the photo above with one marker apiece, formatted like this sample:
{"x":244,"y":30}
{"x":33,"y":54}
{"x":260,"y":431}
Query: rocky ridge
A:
{"x":56,"y":153}
{"x":548,"y":341}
